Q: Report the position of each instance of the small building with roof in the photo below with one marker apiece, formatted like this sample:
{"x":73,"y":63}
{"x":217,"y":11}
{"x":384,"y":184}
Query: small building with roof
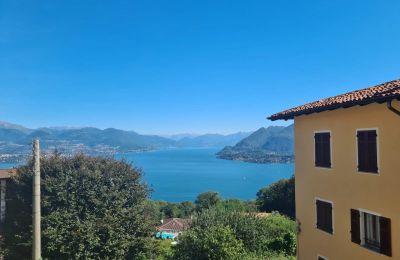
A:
{"x":173,"y":227}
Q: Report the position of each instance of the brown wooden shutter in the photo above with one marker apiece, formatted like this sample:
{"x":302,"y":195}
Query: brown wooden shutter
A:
{"x":319,"y":214}
{"x":355,"y":226}
{"x":329,"y":220}
{"x":386,"y":236}
{"x":317,"y":149}
{"x":324,"y":216}
{"x":322,"y":149}
{"x":326,"y":147}
{"x":362,"y":148}
{"x":372,"y":152}
{"x":367,"y":151}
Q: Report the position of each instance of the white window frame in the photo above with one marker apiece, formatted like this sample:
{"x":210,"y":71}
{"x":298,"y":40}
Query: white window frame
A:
{"x":362,"y":230}
{"x":330,"y":147}
{"x":325,"y":258}
{"x":316,"y":215}
{"x":377,"y":152}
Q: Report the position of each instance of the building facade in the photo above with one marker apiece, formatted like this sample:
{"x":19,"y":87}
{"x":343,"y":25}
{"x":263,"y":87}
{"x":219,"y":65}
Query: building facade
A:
{"x":347,"y":161}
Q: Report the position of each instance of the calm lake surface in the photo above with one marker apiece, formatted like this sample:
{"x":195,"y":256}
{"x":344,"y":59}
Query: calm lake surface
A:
{"x":177,"y":175}
{"x":181,"y":174}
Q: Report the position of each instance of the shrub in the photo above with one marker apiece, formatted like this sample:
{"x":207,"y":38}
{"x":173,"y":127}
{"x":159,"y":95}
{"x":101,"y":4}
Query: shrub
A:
{"x":92,"y":208}
{"x":263,"y":236}
{"x":214,"y":242}
{"x":279,"y":196}
{"x":207,"y":200}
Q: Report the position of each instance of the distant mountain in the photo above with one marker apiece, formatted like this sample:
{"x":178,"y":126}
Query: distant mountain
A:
{"x":88,"y":136}
{"x":178,"y":137}
{"x":266,"y":145}
{"x":15,"y":140}
{"x":212,"y":140}
{"x":6,"y":125}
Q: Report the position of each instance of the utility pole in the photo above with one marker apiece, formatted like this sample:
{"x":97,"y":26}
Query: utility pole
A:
{"x":36,"y":215}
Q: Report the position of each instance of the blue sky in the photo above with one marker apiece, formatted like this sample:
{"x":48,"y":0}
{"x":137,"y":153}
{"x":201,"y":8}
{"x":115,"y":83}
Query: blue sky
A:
{"x":165,"y":67}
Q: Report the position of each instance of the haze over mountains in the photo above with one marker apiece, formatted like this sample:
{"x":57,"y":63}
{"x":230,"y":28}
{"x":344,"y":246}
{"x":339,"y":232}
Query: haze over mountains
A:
{"x":272,"y":144}
{"x":15,"y":140}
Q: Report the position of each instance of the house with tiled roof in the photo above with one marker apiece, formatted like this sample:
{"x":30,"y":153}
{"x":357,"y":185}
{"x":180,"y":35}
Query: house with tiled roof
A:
{"x":347,"y":170}
{"x":173,"y":227}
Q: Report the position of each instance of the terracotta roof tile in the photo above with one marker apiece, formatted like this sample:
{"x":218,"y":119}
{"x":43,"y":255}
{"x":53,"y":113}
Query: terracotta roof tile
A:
{"x":6,"y":173}
{"x":380,"y":93}
{"x":175,"y":225}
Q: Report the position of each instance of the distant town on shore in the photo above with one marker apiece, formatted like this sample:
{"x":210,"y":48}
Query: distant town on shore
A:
{"x":266,"y":145}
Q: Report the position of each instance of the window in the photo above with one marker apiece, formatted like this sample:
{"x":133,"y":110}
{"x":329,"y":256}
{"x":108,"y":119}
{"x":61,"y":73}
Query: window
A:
{"x":323,"y":149}
{"x":324,"y":216}
{"x":371,"y":231}
{"x":367,"y":151}
{"x":321,"y":258}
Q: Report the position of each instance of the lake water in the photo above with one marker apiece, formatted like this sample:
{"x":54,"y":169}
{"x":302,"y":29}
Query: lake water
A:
{"x":181,"y":174}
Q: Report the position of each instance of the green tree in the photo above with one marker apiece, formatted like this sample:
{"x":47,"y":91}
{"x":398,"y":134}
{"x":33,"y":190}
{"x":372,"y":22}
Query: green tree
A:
{"x":186,"y":209}
{"x":92,"y":208}
{"x":170,"y":210}
{"x":263,"y":236}
{"x":237,"y":205}
{"x":164,"y":250}
{"x":215,"y":242}
{"x":207,"y":200}
{"x":279,"y":196}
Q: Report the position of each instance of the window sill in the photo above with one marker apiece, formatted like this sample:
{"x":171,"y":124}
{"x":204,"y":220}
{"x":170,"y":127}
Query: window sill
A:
{"x":326,"y":232}
{"x":368,"y":173}
{"x":323,"y":167}
{"x":372,"y":249}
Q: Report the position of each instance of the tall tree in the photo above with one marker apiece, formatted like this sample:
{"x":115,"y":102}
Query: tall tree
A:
{"x":92,"y":208}
{"x":279,"y":196}
{"x":207,"y":200}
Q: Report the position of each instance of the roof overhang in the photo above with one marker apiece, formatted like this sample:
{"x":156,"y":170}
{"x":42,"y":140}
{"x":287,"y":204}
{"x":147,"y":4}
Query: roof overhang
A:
{"x":378,"y":94}
{"x":292,"y":115}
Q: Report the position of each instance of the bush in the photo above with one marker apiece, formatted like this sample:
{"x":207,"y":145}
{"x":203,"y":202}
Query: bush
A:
{"x":236,"y":205}
{"x":214,"y":242}
{"x":92,"y":208}
{"x":263,"y":237}
{"x":207,"y":200}
{"x":279,"y":196}
{"x":164,"y":250}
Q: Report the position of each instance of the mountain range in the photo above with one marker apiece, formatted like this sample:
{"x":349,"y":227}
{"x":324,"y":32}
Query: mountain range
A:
{"x":15,"y":140}
{"x":266,"y":145}
{"x":272,"y":144}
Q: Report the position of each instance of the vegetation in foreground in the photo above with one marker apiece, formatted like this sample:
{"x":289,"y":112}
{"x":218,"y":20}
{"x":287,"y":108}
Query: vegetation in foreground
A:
{"x":279,"y":196}
{"x":92,"y":208}
{"x":222,"y":234}
{"x":97,"y":208}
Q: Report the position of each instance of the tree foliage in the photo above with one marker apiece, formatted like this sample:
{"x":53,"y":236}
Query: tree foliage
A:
{"x":207,"y":200}
{"x":257,"y":237}
{"x":215,"y":242}
{"x":157,"y":210}
{"x":279,"y":196}
{"x":236,"y":205}
{"x":92,"y":208}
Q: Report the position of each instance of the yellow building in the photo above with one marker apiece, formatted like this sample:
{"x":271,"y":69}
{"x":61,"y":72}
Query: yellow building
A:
{"x":347,"y":165}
